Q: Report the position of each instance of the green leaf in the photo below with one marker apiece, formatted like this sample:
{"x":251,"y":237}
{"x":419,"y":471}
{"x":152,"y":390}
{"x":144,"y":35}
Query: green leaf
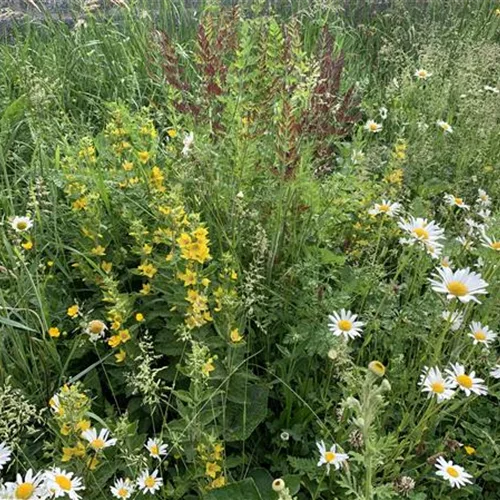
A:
{"x":243,"y":490}
{"x":15,"y":324}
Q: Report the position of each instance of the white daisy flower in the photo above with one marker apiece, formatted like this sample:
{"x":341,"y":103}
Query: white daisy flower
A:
{"x":5,"y":454}
{"x":330,"y":457}
{"x":446,"y":262}
{"x":55,"y":405}
{"x":488,"y":88}
{"x":149,"y":483}
{"x":461,"y":284}
{"x":467,"y":243}
{"x":445,"y":127}
{"x":123,"y":488}
{"x":455,"y":319}
{"x":373,"y":126}
{"x":30,"y":487}
{"x":420,"y":230}
{"x":484,"y":213}
{"x":345,"y":324}
{"x":483,"y":198}
{"x":490,"y":243}
{"x":21,"y":224}
{"x":96,"y":329}
{"x":61,"y":483}
{"x":481,"y":334}
{"x":98,"y":442}
{"x":385,"y":208}
{"x":455,"y":474}
{"x":156,"y":448}
{"x":495,"y":372}
{"x":433,"y":382}
{"x":422,"y":74}
{"x":467,"y":382}
{"x":188,"y":142}
{"x":455,"y":201}
{"x":383,"y":112}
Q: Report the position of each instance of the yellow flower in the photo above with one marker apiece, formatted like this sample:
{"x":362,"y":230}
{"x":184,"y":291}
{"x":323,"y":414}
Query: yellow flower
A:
{"x":172,"y":133}
{"x":147,"y":249}
{"x":234,"y":275}
{"x":184,"y":239}
{"x":124,"y":336}
{"x":114,"y":341}
{"x":120,"y":356}
{"x":236,"y":336}
{"x":106,"y":266}
{"x":143,"y":156}
{"x":146,"y":289}
{"x":50,"y":263}
{"x":83,"y":425}
{"x":80,"y":204}
{"x":65,"y":429}
{"x":93,"y":462}
{"x":98,"y":250}
{"x":188,"y":277}
{"x":147,"y":269}
{"x":218,"y":483}
{"x":205,"y":282}
{"x":207,"y":368}
{"x":73,"y":311}
{"x":28,"y":245}
{"x":377,"y":368}
{"x":54,"y":332}
{"x":127,"y":166}
{"x":212,"y":468}
{"x":470,"y":450}
{"x":139,"y":317}
{"x":218,"y":450}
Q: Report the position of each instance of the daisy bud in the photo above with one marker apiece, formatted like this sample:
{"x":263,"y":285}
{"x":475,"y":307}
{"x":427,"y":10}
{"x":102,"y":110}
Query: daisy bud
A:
{"x":377,"y":368}
{"x":278,"y":485}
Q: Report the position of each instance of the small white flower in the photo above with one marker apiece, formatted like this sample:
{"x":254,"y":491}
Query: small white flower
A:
{"x":240,"y":195}
{"x":426,"y":233}
{"x":373,"y":126}
{"x":422,"y":74}
{"x":490,"y":243}
{"x":484,"y":213}
{"x":445,"y":127}
{"x":483,"y":198}
{"x":61,"y":483}
{"x":5,"y":455}
{"x":491,"y":89}
{"x":21,"y":224}
{"x":330,"y":457}
{"x":31,"y":487}
{"x":284,"y":436}
{"x":98,"y":442}
{"x":495,"y":372}
{"x":446,"y":262}
{"x":455,"y":201}
{"x":156,"y":448}
{"x":469,"y":383}
{"x":467,"y":243}
{"x":455,"y":474}
{"x":383,"y":111}
{"x":55,"y":405}
{"x":481,"y":334}
{"x":461,"y":284}
{"x":123,"y":488}
{"x":455,"y":319}
{"x":357,"y":157}
{"x":96,"y":329}
{"x":385,"y":208}
{"x":433,"y":382}
{"x":345,"y":324}
{"x":149,"y":483}
{"x":188,"y":143}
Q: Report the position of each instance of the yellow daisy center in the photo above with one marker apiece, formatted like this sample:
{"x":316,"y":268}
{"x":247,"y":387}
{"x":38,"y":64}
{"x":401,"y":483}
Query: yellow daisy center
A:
{"x":96,"y":326}
{"x":421,"y":233}
{"x":495,"y":245}
{"x":98,"y":444}
{"x":329,"y":456}
{"x":437,"y":387}
{"x":452,"y":471}
{"x":63,"y":482}
{"x":445,"y":126}
{"x":154,"y":449}
{"x":384,"y":207}
{"x":464,"y":381}
{"x":422,"y":73}
{"x":25,"y":490}
{"x":459,"y":201}
{"x":457,"y":288}
{"x":480,"y":335}
{"x":122,"y":492}
{"x":22,"y":225}
{"x":373,"y":127}
{"x":345,"y":325}
{"x":150,"y":482}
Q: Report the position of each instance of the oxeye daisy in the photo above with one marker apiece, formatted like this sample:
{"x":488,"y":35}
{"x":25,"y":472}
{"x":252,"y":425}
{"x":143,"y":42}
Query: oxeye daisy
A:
{"x":330,"y":457}
{"x":490,"y":243}
{"x":481,"y":334}
{"x":123,"y":488}
{"x":30,"y":487}
{"x":5,"y":453}
{"x":187,"y":142}
{"x":495,"y":372}
{"x":455,"y":474}
{"x":21,"y":224}
{"x":60,"y":483}
{"x":433,"y":382}
{"x":483,"y":198}
{"x":424,"y":232}
{"x":372,"y":126}
{"x":445,"y":127}
{"x":345,"y":324}
{"x":98,"y":442}
{"x":455,"y":201}
{"x":422,"y":74}
{"x":156,"y":448}
{"x":149,"y":483}
{"x":385,"y":208}
{"x":455,"y":319}
{"x":461,"y":284}
{"x":446,"y":262}
{"x":95,"y":329}
{"x":467,"y":243}
{"x":467,"y":382}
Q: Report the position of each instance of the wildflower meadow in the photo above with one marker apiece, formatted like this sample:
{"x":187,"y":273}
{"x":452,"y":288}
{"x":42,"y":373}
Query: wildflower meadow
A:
{"x":250,"y":251}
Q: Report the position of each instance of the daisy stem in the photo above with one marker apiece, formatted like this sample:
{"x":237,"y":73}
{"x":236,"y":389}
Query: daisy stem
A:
{"x":446,"y":329}
{"x":379,"y":237}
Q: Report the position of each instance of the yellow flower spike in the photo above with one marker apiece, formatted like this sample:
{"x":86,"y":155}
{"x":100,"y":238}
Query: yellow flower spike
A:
{"x":120,"y":356}
{"x":143,"y":156}
{"x":54,"y":332}
{"x":377,"y":368}
{"x":139,"y":317}
{"x":236,"y":336}
{"x":106,"y":266}
{"x":28,"y":245}
{"x":73,"y":311}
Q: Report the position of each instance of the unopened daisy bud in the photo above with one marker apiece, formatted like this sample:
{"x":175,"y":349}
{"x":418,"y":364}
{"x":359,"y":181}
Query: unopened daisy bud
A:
{"x":377,"y":368}
{"x":284,"y":436}
{"x":278,"y":485}
{"x":404,"y":485}
{"x":356,"y":439}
